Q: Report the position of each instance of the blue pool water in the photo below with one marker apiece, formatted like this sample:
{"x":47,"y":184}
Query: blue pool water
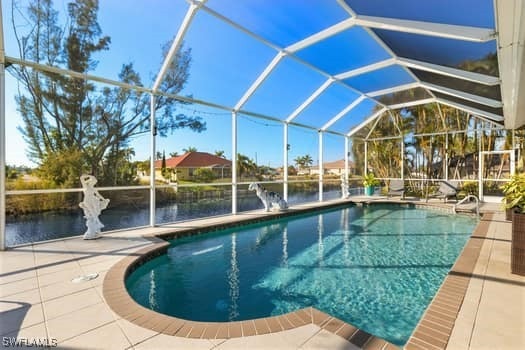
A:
{"x":375,"y":267}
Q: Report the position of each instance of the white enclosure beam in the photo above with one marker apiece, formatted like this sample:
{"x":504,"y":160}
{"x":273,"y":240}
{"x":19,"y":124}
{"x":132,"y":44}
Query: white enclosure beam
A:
{"x":285,"y":161}
{"x":2,"y":138}
{"x":347,"y":8}
{"x":393,"y":89}
{"x":446,"y":156}
{"x":510,"y":21}
{"x":319,"y":36}
{"x":449,"y":31}
{"x":310,"y":99}
{"x":153,"y":154}
{"x":449,"y":71}
{"x":480,"y":171}
{"x":402,"y":158}
{"x":383,"y":138}
{"x":394,"y":121}
{"x":234,"y":163}
{"x":342,"y":113}
{"x":260,"y":79}
{"x":372,"y":128}
{"x":464,"y":95}
{"x":347,"y":140}
{"x":412,"y":103}
{"x":366,"y":69}
{"x":321,"y":166}
{"x":82,"y":76}
{"x":365,"y":122}
{"x":177,"y":42}
{"x":379,"y":41}
{"x":365,"y":170}
{"x":240,"y":28}
{"x":477,"y":112}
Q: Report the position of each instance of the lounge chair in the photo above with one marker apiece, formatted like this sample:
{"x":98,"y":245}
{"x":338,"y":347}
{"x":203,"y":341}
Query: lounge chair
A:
{"x":446,"y":190}
{"x":396,"y":188}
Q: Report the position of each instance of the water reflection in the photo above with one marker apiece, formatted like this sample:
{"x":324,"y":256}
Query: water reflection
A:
{"x":285,"y":247}
{"x":152,"y":292}
{"x":320,"y":246}
{"x":233,"y":281}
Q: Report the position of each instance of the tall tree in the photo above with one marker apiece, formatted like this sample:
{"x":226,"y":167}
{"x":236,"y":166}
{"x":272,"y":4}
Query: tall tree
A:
{"x":245,"y":165}
{"x":71,"y":125}
{"x":163,"y":164}
{"x":303,"y":162}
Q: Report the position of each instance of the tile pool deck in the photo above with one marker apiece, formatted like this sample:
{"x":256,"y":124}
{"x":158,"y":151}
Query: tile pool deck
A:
{"x":479,"y":306}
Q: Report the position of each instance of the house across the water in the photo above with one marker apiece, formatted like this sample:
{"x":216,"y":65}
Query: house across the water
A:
{"x":333,"y":168}
{"x":185,"y":167}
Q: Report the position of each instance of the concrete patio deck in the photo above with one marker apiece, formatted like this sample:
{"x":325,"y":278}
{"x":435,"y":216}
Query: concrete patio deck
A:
{"x":39,"y":302}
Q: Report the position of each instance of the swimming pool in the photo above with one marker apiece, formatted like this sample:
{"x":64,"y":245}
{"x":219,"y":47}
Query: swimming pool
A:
{"x":375,"y":267}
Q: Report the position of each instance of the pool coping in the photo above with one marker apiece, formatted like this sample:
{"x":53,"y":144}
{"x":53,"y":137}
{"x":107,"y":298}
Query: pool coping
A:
{"x":441,"y":311}
{"x":435,"y":326}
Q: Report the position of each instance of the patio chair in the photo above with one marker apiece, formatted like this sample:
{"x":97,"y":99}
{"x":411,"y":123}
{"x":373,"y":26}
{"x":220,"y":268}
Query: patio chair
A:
{"x":446,"y":190}
{"x":396,"y":188}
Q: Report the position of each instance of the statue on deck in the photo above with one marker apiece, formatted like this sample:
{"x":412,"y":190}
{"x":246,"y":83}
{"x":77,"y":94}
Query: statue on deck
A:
{"x":92,"y":205}
{"x":344,"y":187}
{"x":270,"y":199}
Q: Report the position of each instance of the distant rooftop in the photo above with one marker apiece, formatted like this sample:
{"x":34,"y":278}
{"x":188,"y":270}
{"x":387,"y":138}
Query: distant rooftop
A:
{"x":193,"y":160}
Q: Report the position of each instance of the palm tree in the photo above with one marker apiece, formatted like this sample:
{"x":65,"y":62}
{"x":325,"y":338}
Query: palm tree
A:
{"x":304,"y":161}
{"x":219,"y":154}
{"x":299,"y":162}
{"x":174,"y":154}
{"x":308,"y":161}
{"x":245,"y":165}
{"x":189,"y":149}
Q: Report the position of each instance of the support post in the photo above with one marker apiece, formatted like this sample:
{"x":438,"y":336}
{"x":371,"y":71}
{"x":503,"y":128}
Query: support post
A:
{"x":365,"y":170}
{"x":320,"y":166}
{"x":2,"y":137}
{"x":446,"y":156}
{"x":480,"y":171}
{"x":153,"y":134}
{"x":346,"y":157}
{"x":402,"y":157}
{"x":234,"y":162}
{"x":285,"y":161}
{"x":513,"y":153}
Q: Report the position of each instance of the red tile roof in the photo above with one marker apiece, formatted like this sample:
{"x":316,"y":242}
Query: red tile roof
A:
{"x":193,"y":160}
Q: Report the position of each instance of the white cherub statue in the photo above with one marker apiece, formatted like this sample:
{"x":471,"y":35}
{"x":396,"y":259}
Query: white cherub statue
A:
{"x":92,"y":205}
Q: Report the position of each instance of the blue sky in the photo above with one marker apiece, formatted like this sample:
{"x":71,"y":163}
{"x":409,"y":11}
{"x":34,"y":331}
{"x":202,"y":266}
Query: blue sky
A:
{"x":226,"y":61}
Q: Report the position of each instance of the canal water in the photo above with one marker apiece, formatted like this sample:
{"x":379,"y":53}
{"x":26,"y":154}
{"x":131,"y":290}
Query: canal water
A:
{"x":52,"y":225}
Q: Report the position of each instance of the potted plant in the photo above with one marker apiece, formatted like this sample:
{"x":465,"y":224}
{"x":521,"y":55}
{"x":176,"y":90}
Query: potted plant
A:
{"x":514,"y":192}
{"x":370,"y":181}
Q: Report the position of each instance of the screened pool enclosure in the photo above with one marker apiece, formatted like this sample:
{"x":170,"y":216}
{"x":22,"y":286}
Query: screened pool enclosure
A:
{"x":296,"y":95}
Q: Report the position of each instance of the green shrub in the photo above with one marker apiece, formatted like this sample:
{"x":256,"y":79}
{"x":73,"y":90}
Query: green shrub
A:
{"x":203,"y":175}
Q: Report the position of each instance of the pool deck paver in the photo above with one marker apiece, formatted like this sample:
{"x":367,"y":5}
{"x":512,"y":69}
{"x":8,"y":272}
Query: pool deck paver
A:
{"x":39,"y":300}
